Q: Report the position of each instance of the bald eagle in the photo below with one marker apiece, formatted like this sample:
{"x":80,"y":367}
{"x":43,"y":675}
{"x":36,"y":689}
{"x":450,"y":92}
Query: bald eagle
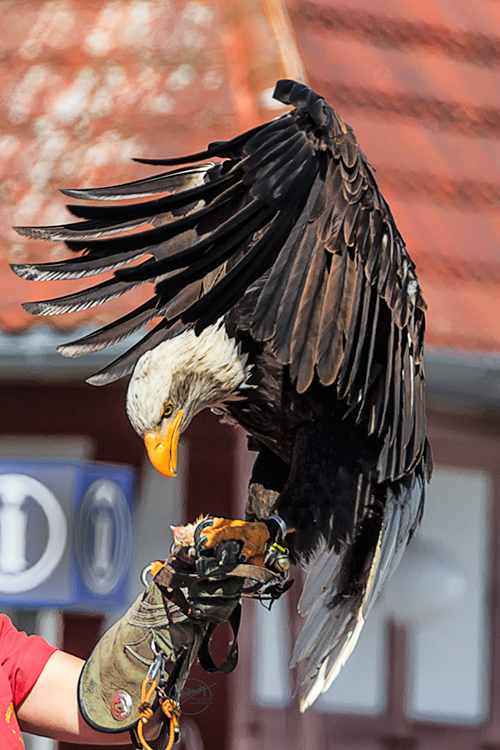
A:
{"x":283,"y":295}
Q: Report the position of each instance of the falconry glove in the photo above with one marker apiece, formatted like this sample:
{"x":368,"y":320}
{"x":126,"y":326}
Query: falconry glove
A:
{"x":143,"y":661}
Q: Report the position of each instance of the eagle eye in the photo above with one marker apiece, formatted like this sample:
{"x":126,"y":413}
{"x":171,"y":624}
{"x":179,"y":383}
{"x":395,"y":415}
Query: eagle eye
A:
{"x":167,"y":410}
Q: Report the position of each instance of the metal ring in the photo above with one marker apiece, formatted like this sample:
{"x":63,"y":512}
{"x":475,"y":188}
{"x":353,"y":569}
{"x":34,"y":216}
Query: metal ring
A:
{"x":281,"y":524}
{"x":144,"y":573}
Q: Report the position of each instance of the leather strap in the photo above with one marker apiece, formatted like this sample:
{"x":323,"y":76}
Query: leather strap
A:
{"x":231,"y":660}
{"x":168,"y":577}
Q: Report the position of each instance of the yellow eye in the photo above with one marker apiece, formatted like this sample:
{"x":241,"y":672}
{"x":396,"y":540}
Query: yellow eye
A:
{"x":167,"y":410}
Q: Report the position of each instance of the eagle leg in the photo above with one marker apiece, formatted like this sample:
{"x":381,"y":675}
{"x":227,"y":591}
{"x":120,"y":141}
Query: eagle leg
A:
{"x":253,"y":535}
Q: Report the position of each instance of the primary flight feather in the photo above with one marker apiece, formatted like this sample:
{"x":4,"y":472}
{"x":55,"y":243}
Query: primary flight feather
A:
{"x":284,"y":294}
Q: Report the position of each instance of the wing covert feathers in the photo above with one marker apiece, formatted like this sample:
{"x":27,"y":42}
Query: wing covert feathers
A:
{"x":294,"y":202}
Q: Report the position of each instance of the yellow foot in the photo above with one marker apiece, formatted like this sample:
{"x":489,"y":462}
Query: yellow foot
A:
{"x":253,"y":535}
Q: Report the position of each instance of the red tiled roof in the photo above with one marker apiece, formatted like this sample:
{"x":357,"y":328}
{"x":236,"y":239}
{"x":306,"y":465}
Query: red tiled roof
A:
{"x":419,"y":82}
{"x":88,"y":84}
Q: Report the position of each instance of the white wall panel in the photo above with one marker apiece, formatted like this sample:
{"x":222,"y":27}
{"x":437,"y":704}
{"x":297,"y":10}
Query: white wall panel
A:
{"x":77,"y":448}
{"x":271,"y":677}
{"x":448,"y":666}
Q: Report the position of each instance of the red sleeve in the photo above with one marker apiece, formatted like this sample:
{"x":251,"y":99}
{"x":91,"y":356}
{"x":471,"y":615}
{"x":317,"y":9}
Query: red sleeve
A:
{"x":22,"y":657}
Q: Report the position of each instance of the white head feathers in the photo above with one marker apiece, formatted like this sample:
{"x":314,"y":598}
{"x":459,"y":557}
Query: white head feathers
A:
{"x":193,"y":372}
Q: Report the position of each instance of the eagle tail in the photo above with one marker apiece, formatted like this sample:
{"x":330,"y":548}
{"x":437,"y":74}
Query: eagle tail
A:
{"x":340,"y":589}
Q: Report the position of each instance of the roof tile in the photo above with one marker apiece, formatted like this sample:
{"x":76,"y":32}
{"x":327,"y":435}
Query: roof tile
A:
{"x":418,"y":81}
{"x":89,"y":84}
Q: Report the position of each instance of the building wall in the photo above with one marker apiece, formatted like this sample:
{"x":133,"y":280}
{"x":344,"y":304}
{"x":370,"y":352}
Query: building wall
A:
{"x":423,"y":683}
{"x":85,"y":422}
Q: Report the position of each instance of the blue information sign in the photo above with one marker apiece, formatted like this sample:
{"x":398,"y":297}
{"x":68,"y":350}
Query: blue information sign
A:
{"x":65,"y":534}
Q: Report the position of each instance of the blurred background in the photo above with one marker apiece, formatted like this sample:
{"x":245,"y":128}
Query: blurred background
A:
{"x":86,"y":85}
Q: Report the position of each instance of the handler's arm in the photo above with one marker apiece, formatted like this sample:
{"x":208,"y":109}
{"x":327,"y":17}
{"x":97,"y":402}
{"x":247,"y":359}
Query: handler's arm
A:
{"x":51,"y":708}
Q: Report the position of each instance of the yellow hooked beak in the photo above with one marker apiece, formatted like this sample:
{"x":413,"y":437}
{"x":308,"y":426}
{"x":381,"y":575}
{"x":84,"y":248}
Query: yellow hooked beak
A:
{"x":162,"y":451}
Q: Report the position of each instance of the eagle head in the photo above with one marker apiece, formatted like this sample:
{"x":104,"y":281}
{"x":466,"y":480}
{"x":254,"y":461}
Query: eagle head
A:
{"x":177,"y":379}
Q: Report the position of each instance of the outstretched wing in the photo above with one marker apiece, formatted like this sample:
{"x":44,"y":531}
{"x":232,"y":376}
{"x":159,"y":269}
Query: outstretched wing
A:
{"x":293,"y":200}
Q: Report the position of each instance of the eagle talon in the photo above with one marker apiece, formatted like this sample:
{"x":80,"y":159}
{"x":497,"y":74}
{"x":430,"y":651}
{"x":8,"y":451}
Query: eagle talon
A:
{"x":254,"y":537}
{"x":200,"y":542}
